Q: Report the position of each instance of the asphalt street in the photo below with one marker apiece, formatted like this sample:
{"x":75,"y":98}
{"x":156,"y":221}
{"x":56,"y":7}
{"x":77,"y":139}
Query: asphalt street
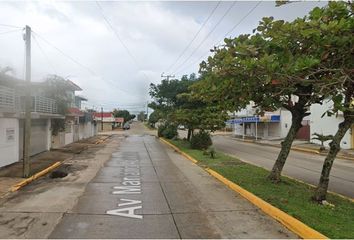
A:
{"x":303,"y":166}
{"x":148,"y":191}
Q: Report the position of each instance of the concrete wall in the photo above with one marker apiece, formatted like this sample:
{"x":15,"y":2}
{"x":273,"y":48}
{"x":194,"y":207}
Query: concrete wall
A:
{"x":9,"y":141}
{"x":285,"y":122}
{"x":86,"y":130}
{"x":327,"y":125}
{"x":69,"y":136}
{"x":107,"y":126}
{"x":40,"y":136}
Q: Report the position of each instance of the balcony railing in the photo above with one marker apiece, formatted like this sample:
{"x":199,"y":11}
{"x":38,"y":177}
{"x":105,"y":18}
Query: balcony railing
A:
{"x":44,"y":105}
{"x":40,"y":105}
{"x":7,"y":98}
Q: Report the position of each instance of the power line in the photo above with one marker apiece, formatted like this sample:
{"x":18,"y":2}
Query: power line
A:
{"x":231,"y":30}
{"x":64,"y":54}
{"x":195,"y":36}
{"x":120,"y":39}
{"x":75,"y":61}
{"x":9,"y":31}
{"x":10,"y":26}
{"x":45,"y":55}
{"x":206,"y":37}
{"x":244,"y":17}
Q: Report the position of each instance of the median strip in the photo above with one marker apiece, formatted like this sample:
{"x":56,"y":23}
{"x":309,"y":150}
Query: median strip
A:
{"x":287,"y":202}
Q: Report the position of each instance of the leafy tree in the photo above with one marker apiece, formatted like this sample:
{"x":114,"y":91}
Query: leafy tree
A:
{"x":175,"y":103}
{"x":336,"y":40}
{"x":123,"y":114}
{"x":282,"y":65}
{"x":154,"y":118}
{"x":55,"y":87}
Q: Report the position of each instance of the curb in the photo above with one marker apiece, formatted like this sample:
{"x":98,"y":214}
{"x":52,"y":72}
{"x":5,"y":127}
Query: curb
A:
{"x":294,"y":179}
{"x":178,"y":150}
{"x":288,"y":221}
{"x":298,"y":149}
{"x":34,"y":177}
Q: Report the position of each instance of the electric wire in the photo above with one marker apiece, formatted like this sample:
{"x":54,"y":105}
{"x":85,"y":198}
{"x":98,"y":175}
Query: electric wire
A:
{"x":11,"y":31}
{"x":195,"y":36}
{"x":109,"y":24}
{"x":44,"y":54}
{"x":230,"y":31}
{"x":77,"y":62}
{"x":206,"y":37}
{"x":10,"y":26}
{"x":64,"y":54}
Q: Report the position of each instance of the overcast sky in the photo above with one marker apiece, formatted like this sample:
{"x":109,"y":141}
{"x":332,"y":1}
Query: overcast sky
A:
{"x":155,"y":34}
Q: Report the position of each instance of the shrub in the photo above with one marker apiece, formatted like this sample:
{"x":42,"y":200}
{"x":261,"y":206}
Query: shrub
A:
{"x":201,"y":140}
{"x":167,"y":130}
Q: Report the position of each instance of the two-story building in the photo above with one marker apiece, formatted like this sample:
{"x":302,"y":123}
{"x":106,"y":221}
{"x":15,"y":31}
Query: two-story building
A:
{"x":12,"y":115}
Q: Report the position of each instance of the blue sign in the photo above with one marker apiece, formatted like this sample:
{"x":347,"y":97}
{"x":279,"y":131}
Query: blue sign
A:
{"x":273,"y":118}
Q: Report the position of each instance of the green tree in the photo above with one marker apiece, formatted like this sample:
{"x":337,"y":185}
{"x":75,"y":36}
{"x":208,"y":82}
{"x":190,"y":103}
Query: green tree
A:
{"x":154,"y":118}
{"x":123,"y":114}
{"x":336,"y":25}
{"x":55,"y":87}
{"x":175,"y":103}
{"x":284,"y":64}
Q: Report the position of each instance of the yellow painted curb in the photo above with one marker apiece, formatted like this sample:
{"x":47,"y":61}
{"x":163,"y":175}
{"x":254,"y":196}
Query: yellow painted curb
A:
{"x":178,"y":150}
{"x":34,"y":177}
{"x":290,"y":222}
{"x":305,"y":150}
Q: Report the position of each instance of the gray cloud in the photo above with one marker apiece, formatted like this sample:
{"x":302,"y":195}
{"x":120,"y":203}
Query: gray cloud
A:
{"x":155,"y":33}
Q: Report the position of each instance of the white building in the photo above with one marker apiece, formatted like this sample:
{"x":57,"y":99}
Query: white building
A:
{"x":329,"y":125}
{"x":270,"y":125}
{"x":12,"y":120}
{"x":275,"y":125}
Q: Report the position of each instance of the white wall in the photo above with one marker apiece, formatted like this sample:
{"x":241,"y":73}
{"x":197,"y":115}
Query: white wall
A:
{"x":69,"y":137}
{"x":9,"y":141}
{"x":285,"y":122}
{"x":327,"y":125}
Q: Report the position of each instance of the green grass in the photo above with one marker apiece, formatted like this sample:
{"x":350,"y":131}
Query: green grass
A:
{"x":290,"y":196}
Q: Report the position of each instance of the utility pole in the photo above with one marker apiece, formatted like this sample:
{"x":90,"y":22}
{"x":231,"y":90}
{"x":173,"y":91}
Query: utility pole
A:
{"x":102,"y":119}
{"x":147,"y":111}
{"x":28,"y":105}
{"x":167,"y":76}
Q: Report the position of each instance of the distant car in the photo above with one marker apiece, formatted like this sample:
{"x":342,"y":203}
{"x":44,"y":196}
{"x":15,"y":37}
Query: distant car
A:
{"x":181,"y":127}
{"x":126,"y":126}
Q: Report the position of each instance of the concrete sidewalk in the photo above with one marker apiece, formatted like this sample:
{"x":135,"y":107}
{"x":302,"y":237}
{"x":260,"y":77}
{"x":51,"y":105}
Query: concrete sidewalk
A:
{"x":12,"y":174}
{"x":148,"y":191}
{"x":34,"y":210}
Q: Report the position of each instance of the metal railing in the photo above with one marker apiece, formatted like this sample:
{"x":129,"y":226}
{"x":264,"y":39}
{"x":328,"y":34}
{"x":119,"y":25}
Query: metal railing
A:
{"x":44,"y":105}
{"x":7,"y":98}
{"x":40,"y":105}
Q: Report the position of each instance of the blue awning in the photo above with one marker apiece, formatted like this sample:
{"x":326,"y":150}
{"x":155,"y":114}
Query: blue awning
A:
{"x":271,"y":118}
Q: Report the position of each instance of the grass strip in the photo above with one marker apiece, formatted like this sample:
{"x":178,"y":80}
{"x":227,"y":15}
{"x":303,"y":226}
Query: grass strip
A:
{"x":290,"y":196}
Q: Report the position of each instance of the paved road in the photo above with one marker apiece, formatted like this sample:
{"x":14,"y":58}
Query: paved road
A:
{"x":304,"y":166}
{"x":148,"y":191}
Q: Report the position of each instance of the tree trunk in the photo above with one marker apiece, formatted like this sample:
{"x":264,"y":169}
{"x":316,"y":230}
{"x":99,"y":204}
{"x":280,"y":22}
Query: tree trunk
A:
{"x":189,"y":134}
{"x":321,"y":190}
{"x":296,"y":120}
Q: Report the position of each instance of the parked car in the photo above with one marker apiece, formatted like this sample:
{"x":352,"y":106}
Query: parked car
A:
{"x":126,"y":126}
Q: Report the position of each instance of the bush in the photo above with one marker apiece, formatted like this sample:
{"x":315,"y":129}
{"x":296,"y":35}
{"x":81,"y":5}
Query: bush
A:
{"x":167,"y":130}
{"x":201,"y":140}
